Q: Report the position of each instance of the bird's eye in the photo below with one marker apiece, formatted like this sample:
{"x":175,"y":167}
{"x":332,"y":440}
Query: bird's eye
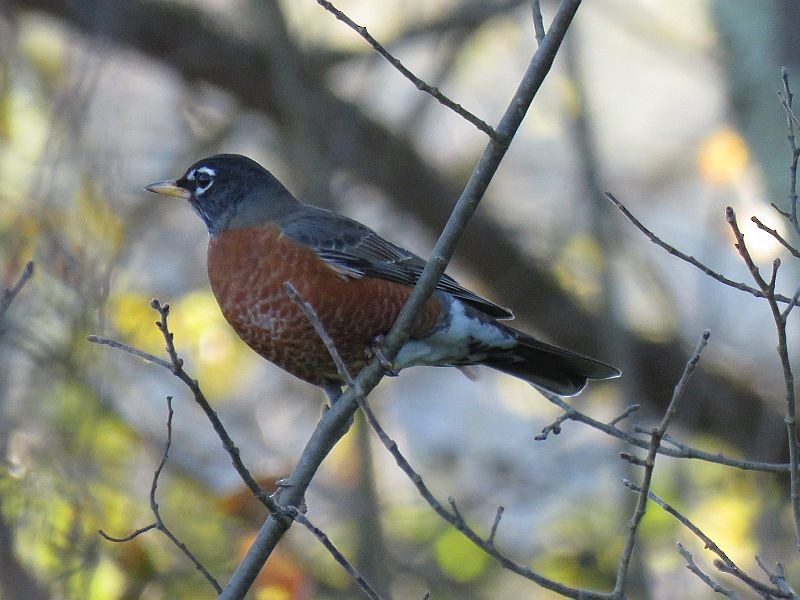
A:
{"x":202,"y":181}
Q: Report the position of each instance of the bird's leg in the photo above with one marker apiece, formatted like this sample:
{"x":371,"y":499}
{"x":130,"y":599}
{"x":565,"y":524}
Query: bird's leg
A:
{"x":333,"y":391}
{"x":376,"y":349}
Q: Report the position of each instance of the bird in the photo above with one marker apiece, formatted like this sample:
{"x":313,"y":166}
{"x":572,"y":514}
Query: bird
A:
{"x":261,"y":237}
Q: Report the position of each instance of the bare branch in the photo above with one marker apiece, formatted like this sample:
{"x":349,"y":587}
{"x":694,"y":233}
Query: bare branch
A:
{"x":128,"y":537}
{"x":686,"y":258}
{"x":455,"y":518}
{"x":554,"y":427}
{"x":649,"y":466}
{"x":779,"y":318}
{"x":495,"y":524}
{"x":10,"y":293}
{"x":726,"y":564}
{"x":791,"y":120}
{"x":625,"y":414}
{"x":778,"y":237}
{"x":692,"y":566}
{"x":418,"y":83}
{"x":175,"y":366}
{"x":334,"y":551}
{"x":104,"y":341}
{"x":159,"y":523}
{"x":333,"y":423}
{"x":680,"y":451}
{"x":777,"y":577}
{"x":538,"y":22}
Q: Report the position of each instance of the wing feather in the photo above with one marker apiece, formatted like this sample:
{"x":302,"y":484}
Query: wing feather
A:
{"x":357,"y":251}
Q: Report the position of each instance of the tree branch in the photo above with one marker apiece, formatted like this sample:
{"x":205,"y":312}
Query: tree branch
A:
{"x":418,"y":83}
{"x":333,"y":423}
{"x":768,"y":289}
{"x":10,"y":293}
{"x":175,"y":366}
{"x":159,"y":522}
{"x":649,"y":465}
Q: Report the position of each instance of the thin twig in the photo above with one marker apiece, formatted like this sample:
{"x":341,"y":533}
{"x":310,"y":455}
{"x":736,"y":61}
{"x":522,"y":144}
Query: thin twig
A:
{"x":554,"y":427}
{"x":780,"y":211}
{"x":680,"y":451}
{"x":685,"y":257}
{"x":768,"y":288}
{"x":538,"y":22}
{"x":778,"y":237}
{"x":418,"y":83}
{"x":319,"y":328}
{"x":786,"y":100}
{"x":455,"y":518}
{"x":777,"y":577}
{"x":10,"y":293}
{"x":649,"y":465}
{"x":104,"y":341}
{"x":625,"y":414}
{"x":159,"y":522}
{"x":692,"y":566}
{"x":495,"y":524}
{"x":334,"y":552}
{"x":724,"y":559}
{"x":175,"y":366}
{"x":791,"y":304}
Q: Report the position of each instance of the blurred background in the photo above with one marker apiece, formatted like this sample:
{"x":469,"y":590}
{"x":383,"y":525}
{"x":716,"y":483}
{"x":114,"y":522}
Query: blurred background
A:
{"x":670,"y":105}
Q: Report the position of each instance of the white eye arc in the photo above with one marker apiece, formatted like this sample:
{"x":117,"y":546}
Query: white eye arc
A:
{"x":204,"y":178}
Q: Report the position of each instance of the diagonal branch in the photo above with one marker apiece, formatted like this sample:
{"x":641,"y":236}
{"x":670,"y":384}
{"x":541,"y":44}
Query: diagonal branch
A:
{"x":175,"y":366}
{"x":710,"y":544}
{"x":419,"y":83}
{"x":454,"y":516}
{"x":656,"y":436}
{"x":159,"y":522}
{"x":334,"y":551}
{"x":10,"y":293}
{"x":779,"y":317}
{"x":703,"y":576}
{"x":689,"y":259}
{"x":333,"y":423}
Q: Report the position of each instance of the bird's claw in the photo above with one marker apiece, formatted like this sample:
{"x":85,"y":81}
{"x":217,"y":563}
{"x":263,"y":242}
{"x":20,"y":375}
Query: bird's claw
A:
{"x":280,"y":485}
{"x":376,"y":350}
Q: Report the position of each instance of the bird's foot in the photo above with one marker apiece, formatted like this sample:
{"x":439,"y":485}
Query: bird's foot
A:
{"x":280,"y":485}
{"x":376,"y":349}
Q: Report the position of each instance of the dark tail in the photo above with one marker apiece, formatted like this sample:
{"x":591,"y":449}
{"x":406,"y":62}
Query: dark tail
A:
{"x":554,"y":369}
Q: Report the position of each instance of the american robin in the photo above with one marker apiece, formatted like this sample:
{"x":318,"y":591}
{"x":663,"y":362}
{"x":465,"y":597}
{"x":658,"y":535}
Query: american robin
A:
{"x":261,"y":236}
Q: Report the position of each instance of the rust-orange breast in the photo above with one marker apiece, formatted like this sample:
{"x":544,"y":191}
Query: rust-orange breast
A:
{"x":248,"y":267}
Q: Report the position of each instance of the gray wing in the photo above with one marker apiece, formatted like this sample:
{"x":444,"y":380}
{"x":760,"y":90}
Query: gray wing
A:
{"x":357,"y":251}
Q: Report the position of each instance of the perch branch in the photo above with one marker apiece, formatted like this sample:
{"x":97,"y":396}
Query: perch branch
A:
{"x":333,"y":423}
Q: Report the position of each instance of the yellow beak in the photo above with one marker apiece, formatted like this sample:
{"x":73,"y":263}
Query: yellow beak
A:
{"x":169,"y":187}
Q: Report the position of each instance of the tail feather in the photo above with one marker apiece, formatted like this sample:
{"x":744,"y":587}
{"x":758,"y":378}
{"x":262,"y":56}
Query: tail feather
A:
{"x":554,"y":369}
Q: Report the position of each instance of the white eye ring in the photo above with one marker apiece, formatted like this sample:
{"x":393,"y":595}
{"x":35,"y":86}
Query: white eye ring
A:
{"x":204,"y":177}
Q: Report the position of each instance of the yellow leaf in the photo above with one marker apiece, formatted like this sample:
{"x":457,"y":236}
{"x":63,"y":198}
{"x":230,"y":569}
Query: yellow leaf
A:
{"x":722,"y":156}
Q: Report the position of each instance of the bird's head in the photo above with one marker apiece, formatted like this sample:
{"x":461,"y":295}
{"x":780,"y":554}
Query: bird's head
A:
{"x":229,"y":191}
